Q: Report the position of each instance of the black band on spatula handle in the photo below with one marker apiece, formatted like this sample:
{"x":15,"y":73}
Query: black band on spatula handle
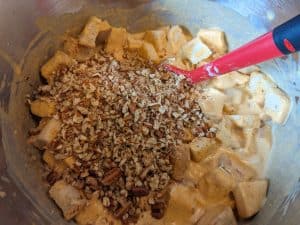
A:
{"x":287,"y":36}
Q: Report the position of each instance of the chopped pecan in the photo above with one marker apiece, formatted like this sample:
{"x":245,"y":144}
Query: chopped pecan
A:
{"x":92,"y":182}
{"x":158,"y":210}
{"x":122,"y":210}
{"x":111,"y":176}
{"x":132,"y":107}
{"x":52,"y":177}
{"x":140,"y":191}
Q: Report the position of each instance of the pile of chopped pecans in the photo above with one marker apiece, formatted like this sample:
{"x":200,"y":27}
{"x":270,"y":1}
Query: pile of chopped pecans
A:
{"x":122,"y":122}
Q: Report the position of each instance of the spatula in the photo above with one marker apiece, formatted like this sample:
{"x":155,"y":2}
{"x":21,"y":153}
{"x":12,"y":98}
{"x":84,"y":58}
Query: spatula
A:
{"x":283,"y":40}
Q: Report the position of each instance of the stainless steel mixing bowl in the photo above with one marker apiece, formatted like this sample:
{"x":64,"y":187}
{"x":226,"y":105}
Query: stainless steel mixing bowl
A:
{"x":29,"y":33}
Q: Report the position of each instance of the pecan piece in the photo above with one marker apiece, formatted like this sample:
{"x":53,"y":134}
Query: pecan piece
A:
{"x":92,"y":182}
{"x":122,"y":210}
{"x":53,"y":177}
{"x":158,"y":210}
{"x":111,"y":176}
{"x":140,"y":191}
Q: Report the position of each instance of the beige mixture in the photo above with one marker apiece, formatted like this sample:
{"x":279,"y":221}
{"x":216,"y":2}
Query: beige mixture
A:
{"x":125,"y":141}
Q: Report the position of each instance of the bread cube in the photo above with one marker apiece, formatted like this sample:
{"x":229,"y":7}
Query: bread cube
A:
{"x":93,"y":212}
{"x":277,"y":105}
{"x":195,"y":51}
{"x":68,"y":198}
{"x":245,"y":121}
{"x":116,"y":42}
{"x":176,"y":39}
{"x":259,"y":84}
{"x":229,"y":80}
{"x":47,"y":134}
{"x":180,"y":160}
{"x":77,"y":51}
{"x":91,"y":30}
{"x":218,"y":215}
{"x":194,"y":172}
{"x":201,"y":147}
{"x":250,"y":107}
{"x":147,"y":51}
{"x":50,"y":131}
{"x":183,"y":204}
{"x":133,"y":44}
{"x":158,"y":38}
{"x":249,"y":69}
{"x":236,"y":167}
{"x":212,"y":102}
{"x":229,"y":134}
{"x":42,"y":107}
{"x":135,"y":41}
{"x":60,"y":59}
{"x":235,"y":96}
{"x":215,"y":39}
{"x":70,"y":162}
{"x":137,"y":36}
{"x":54,"y":164}
{"x":221,"y":178}
{"x":250,"y":197}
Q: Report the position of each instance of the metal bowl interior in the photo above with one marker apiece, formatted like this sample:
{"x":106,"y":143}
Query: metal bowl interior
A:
{"x":31,"y":31}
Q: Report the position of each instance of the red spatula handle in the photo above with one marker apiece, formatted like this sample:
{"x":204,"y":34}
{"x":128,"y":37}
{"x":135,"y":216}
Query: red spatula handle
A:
{"x":283,"y":40}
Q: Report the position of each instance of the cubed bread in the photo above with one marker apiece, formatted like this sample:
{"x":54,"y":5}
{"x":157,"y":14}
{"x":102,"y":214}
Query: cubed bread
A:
{"x":250,"y":197}
{"x":116,"y":42}
{"x":277,"y":105}
{"x":91,"y":30}
{"x":212,"y":102}
{"x":50,"y":131}
{"x":180,"y":161}
{"x":133,"y":44}
{"x":60,"y":59}
{"x":47,"y":134}
{"x":93,"y":212}
{"x":245,"y":121}
{"x":235,"y":96}
{"x":250,"y":106}
{"x":240,"y":170}
{"x":183,"y":205}
{"x":137,"y":36}
{"x":42,"y":107}
{"x":218,"y":215}
{"x":176,"y":39}
{"x":56,"y":165}
{"x":229,"y":134}
{"x":215,"y":39}
{"x":77,"y":51}
{"x":70,"y":162}
{"x":258,"y":85}
{"x":201,"y":147}
{"x":68,"y":198}
{"x":230,"y":80}
{"x":221,"y":179}
{"x":147,"y":51}
{"x":194,"y":172}
{"x":158,"y":38}
{"x":195,"y":51}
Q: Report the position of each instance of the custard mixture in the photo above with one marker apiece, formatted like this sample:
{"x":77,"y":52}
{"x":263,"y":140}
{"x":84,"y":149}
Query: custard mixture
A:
{"x":126,"y":142}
